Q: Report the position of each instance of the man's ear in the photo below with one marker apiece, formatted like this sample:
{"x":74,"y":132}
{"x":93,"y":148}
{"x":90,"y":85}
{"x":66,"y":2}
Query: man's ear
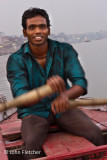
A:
{"x":24,"y":33}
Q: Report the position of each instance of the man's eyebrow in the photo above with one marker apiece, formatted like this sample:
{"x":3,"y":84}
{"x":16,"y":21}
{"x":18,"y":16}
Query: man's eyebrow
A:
{"x":31,"y":25}
{"x":36,"y":24}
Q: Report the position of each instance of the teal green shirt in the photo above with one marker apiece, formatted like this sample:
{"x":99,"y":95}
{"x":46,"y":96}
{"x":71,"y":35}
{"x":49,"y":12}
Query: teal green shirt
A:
{"x":24,"y":74}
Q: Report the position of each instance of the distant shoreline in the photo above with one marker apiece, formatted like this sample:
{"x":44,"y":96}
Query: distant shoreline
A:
{"x":9,"y":53}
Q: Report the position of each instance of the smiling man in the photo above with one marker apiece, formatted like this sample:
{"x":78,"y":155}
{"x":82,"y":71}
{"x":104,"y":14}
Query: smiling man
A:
{"x":40,"y":61}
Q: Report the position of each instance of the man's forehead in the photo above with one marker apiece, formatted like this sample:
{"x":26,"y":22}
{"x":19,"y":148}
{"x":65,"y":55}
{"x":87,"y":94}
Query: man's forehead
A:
{"x":36,"y":20}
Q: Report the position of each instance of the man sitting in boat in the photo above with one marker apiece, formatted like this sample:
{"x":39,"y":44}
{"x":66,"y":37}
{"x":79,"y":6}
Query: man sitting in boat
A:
{"x":40,"y":61}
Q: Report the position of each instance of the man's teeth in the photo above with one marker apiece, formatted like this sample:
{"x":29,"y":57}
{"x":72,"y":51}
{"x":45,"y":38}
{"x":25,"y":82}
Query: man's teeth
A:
{"x":38,"y":37}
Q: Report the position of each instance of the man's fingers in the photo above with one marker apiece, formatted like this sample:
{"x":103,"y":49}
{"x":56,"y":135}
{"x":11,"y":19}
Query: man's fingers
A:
{"x":53,"y":85}
{"x":53,"y":108}
{"x":57,"y":83}
{"x":61,"y":83}
{"x":66,"y":105}
{"x":59,"y":107}
{"x":63,"y":106}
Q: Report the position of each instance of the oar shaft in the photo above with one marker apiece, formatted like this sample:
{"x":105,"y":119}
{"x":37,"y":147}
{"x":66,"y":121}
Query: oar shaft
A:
{"x":88,"y":102}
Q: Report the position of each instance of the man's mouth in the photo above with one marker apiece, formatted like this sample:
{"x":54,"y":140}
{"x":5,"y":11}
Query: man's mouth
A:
{"x":38,"y":38}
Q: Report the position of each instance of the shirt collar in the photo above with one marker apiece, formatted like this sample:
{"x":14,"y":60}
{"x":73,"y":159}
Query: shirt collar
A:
{"x":26,"y":48}
{"x":52,"y":45}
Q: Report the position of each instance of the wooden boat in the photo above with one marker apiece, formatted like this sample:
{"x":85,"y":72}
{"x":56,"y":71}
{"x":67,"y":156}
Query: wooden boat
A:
{"x":58,"y":146}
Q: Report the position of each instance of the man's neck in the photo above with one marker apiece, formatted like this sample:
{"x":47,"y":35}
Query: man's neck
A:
{"x":39,"y":51}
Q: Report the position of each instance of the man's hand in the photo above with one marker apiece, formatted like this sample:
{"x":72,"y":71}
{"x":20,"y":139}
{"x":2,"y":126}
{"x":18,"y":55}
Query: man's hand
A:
{"x":60,"y":104}
{"x":56,"y":83}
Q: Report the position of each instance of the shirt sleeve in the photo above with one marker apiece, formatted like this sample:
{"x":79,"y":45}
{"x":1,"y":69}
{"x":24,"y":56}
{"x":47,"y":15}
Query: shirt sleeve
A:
{"x":17,"y":76}
{"x":73,"y":69}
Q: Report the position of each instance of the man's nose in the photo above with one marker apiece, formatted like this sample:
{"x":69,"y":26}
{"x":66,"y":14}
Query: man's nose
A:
{"x":37,"y":30}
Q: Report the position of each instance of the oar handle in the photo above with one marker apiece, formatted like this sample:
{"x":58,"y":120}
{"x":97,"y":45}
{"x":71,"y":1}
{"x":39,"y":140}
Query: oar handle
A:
{"x":29,"y":98}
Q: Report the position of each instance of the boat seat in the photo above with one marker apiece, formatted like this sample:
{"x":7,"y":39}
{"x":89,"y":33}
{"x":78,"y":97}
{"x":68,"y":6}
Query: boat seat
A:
{"x":64,"y":144}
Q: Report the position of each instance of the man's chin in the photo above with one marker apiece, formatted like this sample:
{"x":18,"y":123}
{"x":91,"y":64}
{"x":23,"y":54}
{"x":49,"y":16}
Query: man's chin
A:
{"x":39,"y":43}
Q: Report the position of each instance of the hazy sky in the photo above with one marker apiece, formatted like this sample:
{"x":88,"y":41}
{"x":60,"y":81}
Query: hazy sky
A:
{"x":68,"y":16}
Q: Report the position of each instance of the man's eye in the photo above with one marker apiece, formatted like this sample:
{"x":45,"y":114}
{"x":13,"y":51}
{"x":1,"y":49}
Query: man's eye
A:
{"x":42,"y":26}
{"x":31,"y":27}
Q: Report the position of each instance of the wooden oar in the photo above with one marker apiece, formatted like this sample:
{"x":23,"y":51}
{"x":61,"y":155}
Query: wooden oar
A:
{"x":36,"y":95}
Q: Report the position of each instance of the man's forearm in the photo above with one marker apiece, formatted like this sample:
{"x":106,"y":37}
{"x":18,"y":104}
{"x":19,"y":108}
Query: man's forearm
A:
{"x":74,"y":92}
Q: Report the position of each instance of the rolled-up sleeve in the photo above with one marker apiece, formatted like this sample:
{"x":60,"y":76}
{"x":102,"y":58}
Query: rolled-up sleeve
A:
{"x":73,"y":69}
{"x":17,"y":76}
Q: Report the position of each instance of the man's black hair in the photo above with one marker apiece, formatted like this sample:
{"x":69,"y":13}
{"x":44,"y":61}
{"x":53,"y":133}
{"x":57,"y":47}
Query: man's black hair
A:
{"x":33,"y":12}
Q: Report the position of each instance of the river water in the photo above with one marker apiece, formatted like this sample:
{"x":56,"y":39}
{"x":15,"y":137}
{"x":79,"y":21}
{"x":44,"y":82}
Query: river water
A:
{"x":93,"y":57}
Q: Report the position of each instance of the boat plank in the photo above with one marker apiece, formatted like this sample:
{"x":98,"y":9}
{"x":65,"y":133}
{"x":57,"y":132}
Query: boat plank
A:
{"x":3,"y":155}
{"x":98,"y":116}
{"x":64,"y":143}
